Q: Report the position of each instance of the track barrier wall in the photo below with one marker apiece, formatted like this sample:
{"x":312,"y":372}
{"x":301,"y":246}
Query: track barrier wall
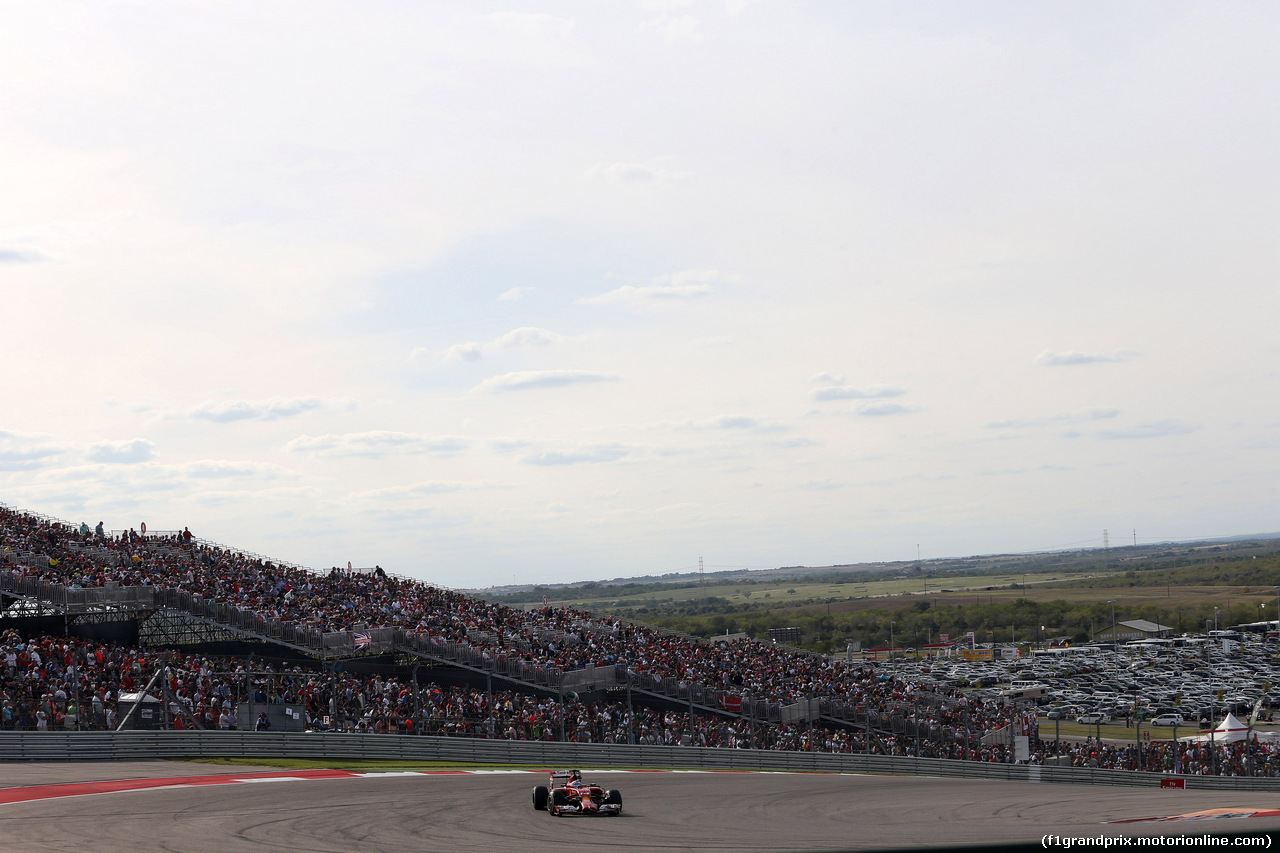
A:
{"x":142,"y":746}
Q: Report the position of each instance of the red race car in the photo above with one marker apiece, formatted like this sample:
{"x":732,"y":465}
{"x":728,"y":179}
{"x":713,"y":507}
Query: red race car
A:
{"x":566,"y":793}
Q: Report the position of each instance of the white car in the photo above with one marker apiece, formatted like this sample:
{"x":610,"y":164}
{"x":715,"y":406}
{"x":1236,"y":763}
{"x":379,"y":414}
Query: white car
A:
{"x":1168,"y":720}
{"x":1093,"y":719}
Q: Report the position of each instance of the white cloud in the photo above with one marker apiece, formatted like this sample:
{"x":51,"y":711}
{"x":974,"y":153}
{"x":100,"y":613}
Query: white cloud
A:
{"x":19,"y":256}
{"x":527,"y":336}
{"x":823,"y":484}
{"x":883,"y":408}
{"x":743,"y":423}
{"x":531,"y":379}
{"x":221,"y":469}
{"x":1061,"y":418}
{"x":129,"y":452}
{"x":23,"y":451}
{"x":650,"y":294}
{"x":675,"y":287}
{"x":396,"y":494}
{"x":226,"y":411}
{"x":846,"y":392}
{"x":470,"y":351}
{"x":515,"y":294}
{"x":375,"y":443}
{"x":1157,"y":429}
{"x":1064,"y":359}
{"x":585,"y":454}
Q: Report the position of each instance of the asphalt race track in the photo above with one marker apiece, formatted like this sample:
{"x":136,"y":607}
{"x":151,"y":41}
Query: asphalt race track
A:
{"x":491,"y":811}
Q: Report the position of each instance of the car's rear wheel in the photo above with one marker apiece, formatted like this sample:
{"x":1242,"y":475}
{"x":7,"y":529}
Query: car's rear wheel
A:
{"x":540,"y":798}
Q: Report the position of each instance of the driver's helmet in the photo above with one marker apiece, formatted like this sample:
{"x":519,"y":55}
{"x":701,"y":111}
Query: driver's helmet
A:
{"x":574,"y":777}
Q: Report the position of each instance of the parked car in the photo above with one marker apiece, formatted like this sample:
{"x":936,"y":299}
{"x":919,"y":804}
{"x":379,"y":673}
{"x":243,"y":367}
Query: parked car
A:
{"x":1093,"y":719}
{"x":1168,"y":720}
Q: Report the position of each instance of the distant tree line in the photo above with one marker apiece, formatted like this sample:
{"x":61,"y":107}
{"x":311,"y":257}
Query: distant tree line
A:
{"x":1021,"y":620}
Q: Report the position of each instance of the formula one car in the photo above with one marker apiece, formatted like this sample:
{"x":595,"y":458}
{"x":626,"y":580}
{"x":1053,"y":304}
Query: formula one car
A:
{"x":565,"y":793}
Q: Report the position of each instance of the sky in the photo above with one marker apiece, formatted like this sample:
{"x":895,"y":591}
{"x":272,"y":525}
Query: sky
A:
{"x":493,"y":293}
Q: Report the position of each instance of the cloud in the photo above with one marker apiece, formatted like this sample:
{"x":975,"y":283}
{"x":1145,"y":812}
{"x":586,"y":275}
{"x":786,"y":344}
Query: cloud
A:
{"x":590,"y":454}
{"x":883,"y":408}
{"x":26,"y":460}
{"x":403,"y":493}
{"x":846,"y":392}
{"x":1082,"y":416}
{"x":121,"y":452}
{"x":514,"y":294}
{"x":527,"y":336}
{"x":470,"y":351}
{"x":530,"y":379}
{"x":1049,"y":358}
{"x":25,"y":451}
{"x":675,"y":287}
{"x":821,"y":485}
{"x":795,"y":443}
{"x":374,"y":443}
{"x":648,"y":294}
{"x":1158,"y":429}
{"x":17,"y":256}
{"x":828,"y":379}
{"x":226,"y":411}
{"x":219,"y":469}
{"x":743,"y":423}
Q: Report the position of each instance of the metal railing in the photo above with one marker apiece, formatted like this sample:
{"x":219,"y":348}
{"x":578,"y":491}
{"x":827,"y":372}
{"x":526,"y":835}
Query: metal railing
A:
{"x":96,"y":746}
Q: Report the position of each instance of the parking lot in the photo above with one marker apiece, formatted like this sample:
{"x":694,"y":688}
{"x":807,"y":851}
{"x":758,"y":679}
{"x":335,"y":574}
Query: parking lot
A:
{"x":1183,"y":685}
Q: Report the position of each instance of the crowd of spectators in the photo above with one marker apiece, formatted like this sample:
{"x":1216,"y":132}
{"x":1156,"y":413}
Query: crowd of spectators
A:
{"x":52,"y":682}
{"x":49,"y":682}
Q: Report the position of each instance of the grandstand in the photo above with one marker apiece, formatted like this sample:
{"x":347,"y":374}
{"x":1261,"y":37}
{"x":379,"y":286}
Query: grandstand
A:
{"x":223,"y":636}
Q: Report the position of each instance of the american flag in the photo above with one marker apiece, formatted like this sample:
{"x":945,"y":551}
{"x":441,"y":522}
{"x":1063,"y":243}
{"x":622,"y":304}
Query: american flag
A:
{"x":363,"y":639}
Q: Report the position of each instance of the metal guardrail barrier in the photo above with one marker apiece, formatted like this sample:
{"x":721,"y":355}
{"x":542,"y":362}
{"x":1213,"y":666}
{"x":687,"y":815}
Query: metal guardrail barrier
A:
{"x":97,"y":746}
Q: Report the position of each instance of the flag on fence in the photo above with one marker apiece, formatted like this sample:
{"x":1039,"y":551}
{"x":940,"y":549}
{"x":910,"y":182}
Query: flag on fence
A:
{"x":363,"y":640}
{"x":731,"y":703}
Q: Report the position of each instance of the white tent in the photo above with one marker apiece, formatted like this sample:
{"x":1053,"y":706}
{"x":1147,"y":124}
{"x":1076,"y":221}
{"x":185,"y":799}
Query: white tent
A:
{"x":1229,"y":730}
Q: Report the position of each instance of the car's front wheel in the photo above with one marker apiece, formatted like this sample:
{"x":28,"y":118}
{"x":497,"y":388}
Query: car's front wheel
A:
{"x":614,"y":798}
{"x":540,"y":798}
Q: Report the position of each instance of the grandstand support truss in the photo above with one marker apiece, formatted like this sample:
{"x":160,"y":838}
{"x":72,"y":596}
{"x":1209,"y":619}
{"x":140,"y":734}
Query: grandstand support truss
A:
{"x":167,"y":627}
{"x":14,"y":605}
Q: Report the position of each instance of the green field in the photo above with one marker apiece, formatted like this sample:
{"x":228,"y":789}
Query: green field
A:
{"x":798,"y":593}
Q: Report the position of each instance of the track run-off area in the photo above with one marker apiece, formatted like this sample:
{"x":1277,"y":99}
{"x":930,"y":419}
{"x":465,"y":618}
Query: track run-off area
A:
{"x":193,"y":808}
